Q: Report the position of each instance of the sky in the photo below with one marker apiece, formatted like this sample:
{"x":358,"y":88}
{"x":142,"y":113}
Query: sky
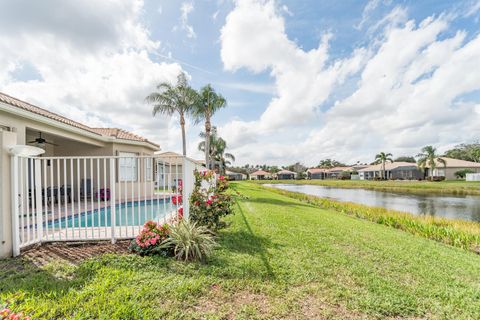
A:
{"x":304,"y":80}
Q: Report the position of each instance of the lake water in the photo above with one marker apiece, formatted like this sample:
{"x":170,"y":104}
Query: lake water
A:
{"x":454,"y":207}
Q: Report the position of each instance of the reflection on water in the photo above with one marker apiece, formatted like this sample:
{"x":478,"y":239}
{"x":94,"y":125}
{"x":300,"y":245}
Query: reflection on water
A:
{"x":454,"y":207}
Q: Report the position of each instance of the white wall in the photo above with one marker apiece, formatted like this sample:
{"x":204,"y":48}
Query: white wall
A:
{"x":7,"y":139}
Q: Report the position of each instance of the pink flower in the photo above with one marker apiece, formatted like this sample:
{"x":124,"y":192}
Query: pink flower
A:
{"x":209,"y":202}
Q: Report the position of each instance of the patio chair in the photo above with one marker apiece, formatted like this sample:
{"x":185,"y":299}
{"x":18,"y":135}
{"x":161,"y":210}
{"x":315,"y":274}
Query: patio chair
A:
{"x":103,"y":194}
{"x":86,"y":191}
{"x":52,"y":195}
{"x":68,"y":190}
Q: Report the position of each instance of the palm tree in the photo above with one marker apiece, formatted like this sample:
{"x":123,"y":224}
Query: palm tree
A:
{"x":179,"y":98}
{"x":217,"y":146}
{"x":382,"y":158}
{"x":429,"y":157}
{"x":208,"y":103}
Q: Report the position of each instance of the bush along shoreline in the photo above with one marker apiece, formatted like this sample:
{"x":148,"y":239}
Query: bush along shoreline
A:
{"x":457,"y":233}
{"x":460,"y":188}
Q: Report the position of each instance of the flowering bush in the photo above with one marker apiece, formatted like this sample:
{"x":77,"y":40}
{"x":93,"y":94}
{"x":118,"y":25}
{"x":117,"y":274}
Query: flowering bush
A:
{"x":208,"y":201}
{"x":6,"y":313}
{"x":150,"y":238}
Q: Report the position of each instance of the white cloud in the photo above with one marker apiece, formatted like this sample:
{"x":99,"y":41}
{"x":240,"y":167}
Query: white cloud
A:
{"x":367,"y":11}
{"x":287,"y":11}
{"x":95,"y":68}
{"x":186,"y":9}
{"x":254,"y":38}
{"x":410,"y":82}
{"x":473,"y":9}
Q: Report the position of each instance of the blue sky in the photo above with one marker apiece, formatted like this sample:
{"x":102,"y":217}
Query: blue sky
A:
{"x":305,"y":80}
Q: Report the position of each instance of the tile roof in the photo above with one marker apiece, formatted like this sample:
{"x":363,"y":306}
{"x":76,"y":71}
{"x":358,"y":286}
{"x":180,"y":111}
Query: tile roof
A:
{"x":260,"y":173}
{"x":285,"y":172}
{"x":388,"y":166}
{"x":37,"y":110}
{"x":108,"y":132}
{"x":316,"y":170}
{"x":456,"y":163}
{"x":119,"y":134}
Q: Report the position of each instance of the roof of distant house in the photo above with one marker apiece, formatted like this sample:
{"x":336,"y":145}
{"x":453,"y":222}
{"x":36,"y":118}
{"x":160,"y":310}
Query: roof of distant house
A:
{"x":316,"y":170}
{"x":456,"y":163}
{"x":284,"y":171}
{"x":388,"y":166}
{"x":104,"y":132}
{"x":260,"y":173}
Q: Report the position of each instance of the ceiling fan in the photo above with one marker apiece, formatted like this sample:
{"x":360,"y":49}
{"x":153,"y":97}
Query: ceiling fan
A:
{"x":41,"y":142}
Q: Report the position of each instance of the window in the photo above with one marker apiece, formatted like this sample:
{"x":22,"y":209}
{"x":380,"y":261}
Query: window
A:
{"x":148,"y":169}
{"x":127,"y":166}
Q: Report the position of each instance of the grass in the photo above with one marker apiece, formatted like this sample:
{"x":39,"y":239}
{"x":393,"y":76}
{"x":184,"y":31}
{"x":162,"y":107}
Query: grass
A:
{"x":442,"y":187}
{"x":278,"y":258}
{"x":455,"y":232}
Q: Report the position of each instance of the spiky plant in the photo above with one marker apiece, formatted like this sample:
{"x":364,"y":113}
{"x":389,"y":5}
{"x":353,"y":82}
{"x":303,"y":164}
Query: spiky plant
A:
{"x":190,"y":242}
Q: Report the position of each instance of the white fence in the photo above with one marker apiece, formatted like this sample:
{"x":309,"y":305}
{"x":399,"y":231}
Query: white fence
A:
{"x":95,"y":198}
{"x":472,"y":177}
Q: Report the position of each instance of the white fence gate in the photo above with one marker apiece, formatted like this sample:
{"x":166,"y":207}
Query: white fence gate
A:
{"x":95,"y":198}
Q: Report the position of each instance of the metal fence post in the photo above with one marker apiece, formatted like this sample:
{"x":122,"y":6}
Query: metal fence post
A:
{"x":113,"y":206}
{"x":185,"y":189}
{"x":38,"y":198}
{"x":15,"y":204}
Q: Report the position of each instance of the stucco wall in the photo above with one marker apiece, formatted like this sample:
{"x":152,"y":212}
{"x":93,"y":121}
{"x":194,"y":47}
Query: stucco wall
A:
{"x":7,"y":139}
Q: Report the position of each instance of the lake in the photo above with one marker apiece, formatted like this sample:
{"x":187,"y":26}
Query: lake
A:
{"x":448,"y":206}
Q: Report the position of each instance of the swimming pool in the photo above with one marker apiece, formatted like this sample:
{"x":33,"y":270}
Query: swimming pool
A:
{"x":127,"y":214}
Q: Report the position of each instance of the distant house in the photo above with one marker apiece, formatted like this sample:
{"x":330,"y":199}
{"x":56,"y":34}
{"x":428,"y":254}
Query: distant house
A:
{"x":235,"y":176}
{"x":452,"y":166}
{"x":393,"y":170}
{"x":316,"y":173}
{"x":260,"y":175}
{"x":285,"y":175}
{"x":336,"y":172}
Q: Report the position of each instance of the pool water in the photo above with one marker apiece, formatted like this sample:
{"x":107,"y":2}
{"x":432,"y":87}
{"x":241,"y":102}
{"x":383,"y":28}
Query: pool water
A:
{"x":127,"y":214}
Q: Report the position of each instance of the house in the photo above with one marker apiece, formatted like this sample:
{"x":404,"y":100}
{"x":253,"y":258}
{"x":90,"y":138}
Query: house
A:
{"x":337,"y":172}
{"x":393,"y":170}
{"x":285,"y":175}
{"x":452,"y":166}
{"x":169,"y":168}
{"x":79,"y":164}
{"x":316,"y":173}
{"x":260,"y":175}
{"x":235,"y":176}
{"x":60,"y":136}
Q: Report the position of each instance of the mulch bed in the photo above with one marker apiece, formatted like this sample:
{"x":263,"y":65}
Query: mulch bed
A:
{"x":72,"y":252}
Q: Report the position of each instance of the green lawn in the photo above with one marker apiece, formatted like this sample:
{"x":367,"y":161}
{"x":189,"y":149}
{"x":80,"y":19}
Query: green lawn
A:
{"x":450,"y":187}
{"x":278,"y":258}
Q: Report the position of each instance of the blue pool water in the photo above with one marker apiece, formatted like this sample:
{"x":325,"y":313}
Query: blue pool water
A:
{"x":130,"y":213}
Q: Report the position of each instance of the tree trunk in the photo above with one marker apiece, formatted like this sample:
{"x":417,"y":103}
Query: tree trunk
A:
{"x":184,"y":141}
{"x":383,"y":170}
{"x":208,"y":128}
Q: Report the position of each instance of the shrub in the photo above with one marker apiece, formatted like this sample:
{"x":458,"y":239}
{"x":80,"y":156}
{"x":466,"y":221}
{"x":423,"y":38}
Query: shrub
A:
{"x":208,"y":201}
{"x":461,"y":174}
{"x":189,"y":241}
{"x":150,"y":238}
